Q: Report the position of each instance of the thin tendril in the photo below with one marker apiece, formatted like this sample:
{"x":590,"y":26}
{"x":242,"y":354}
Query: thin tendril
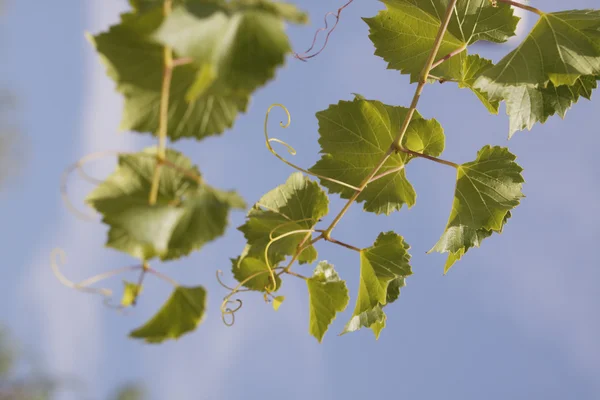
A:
{"x":219,"y":275}
{"x":226,"y":300}
{"x":305,"y":56}
{"x":287,"y":223}
{"x":290,"y":149}
{"x":58,"y":258}
{"x":284,"y":235}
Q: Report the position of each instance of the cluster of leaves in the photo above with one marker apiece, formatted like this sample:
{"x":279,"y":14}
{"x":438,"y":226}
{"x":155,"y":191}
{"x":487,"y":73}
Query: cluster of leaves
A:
{"x":224,"y":50}
{"x":555,"y":65}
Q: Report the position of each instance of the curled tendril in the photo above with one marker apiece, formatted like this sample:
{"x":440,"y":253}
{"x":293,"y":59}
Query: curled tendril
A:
{"x":306,"y":56}
{"x":225,"y":309}
{"x":231,"y":312}
{"x":290,"y":149}
{"x":219,"y":275}
{"x":58,"y":258}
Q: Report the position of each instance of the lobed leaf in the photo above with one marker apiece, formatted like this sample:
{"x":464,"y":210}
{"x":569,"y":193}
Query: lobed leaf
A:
{"x":561,"y":48}
{"x":278,"y":223}
{"x":327,"y":295}
{"x":383,"y":268}
{"x":355,"y":135}
{"x":223,"y":39}
{"x":182,"y":313}
{"x":487,"y":189}
{"x":404,"y":34}
{"x":186,"y":216}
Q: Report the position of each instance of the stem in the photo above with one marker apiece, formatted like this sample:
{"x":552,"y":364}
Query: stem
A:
{"x":434,"y":159}
{"x":162,"y":276}
{"x":182,"y":61}
{"x":362,"y":186}
{"x":449,"y":56}
{"x":164,"y":112}
{"x":425,"y":73}
{"x":388,"y":172}
{"x":397,"y":143}
{"x":348,"y":246}
{"x":296,"y":275}
{"x":523,"y":6}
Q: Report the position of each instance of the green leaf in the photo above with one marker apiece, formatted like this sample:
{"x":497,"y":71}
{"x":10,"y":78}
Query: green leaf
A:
{"x":382,"y":269}
{"x":296,"y":205}
{"x":277,"y":301}
{"x":486,"y":190}
{"x":245,"y":267}
{"x":182,"y":313}
{"x":527,"y":105}
{"x":186,"y":216}
{"x":355,"y":135}
{"x":327,"y":295}
{"x":561,"y":47}
{"x":131,"y":292}
{"x":222,"y":38}
{"x":473,"y":67}
{"x":404,"y":33}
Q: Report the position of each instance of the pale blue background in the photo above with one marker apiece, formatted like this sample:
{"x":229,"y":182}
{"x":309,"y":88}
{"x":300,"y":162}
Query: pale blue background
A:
{"x":516,"y":319}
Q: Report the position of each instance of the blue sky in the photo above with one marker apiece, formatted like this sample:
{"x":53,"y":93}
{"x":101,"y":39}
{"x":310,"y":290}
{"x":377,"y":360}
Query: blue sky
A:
{"x":514,"y":319}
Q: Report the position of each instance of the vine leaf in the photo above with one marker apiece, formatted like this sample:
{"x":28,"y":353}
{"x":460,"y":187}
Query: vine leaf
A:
{"x":221,"y":79}
{"x":245,"y":267}
{"x":527,"y":105}
{"x":187,"y":214}
{"x":474,"y":66}
{"x":404,"y":33}
{"x":486,"y":190}
{"x":182,"y":313}
{"x":297,"y":205}
{"x":277,"y":301}
{"x":131,"y":291}
{"x":328,"y":295}
{"x":226,"y":40}
{"x":561,"y":47}
{"x":354,"y":136}
{"x":383,"y":268}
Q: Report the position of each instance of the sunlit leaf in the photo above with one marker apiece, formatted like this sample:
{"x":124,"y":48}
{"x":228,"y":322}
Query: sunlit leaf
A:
{"x":181,"y":314}
{"x":131,"y":291}
{"x":487,"y":189}
{"x":354,"y":135}
{"x":327,"y":295}
{"x":382,"y":269}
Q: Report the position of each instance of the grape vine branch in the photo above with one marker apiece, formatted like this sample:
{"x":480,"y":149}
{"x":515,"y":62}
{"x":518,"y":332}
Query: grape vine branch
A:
{"x":186,"y":70}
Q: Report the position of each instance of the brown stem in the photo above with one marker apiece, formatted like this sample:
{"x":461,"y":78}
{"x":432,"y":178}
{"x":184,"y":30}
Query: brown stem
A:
{"x":449,"y":56}
{"x":346,"y":245}
{"x":523,"y":6}
{"x":435,"y":159}
{"x":182,"y":61}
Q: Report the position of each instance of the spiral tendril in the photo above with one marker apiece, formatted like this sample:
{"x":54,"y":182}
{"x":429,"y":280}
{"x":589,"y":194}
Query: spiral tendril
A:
{"x":290,"y":149}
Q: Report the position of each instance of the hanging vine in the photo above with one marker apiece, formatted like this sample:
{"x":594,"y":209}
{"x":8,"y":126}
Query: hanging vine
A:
{"x":187,"y":68}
